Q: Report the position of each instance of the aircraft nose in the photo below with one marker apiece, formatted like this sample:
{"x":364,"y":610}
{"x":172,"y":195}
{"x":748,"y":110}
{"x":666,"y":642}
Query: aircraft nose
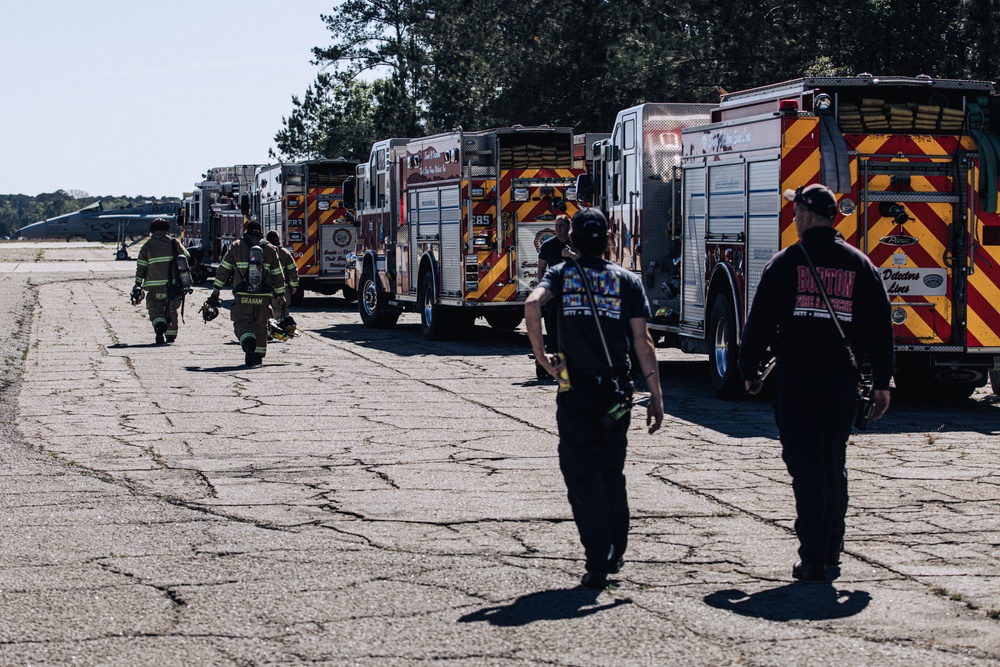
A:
{"x":35,"y":230}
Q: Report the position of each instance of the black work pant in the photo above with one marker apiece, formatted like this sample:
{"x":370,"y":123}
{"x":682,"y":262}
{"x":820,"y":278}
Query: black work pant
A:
{"x":592,"y":461}
{"x":550,"y":315}
{"x":815,"y":415}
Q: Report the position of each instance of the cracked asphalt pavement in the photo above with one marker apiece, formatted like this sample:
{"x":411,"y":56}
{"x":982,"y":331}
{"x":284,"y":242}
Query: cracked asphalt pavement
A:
{"x":371,"y":498}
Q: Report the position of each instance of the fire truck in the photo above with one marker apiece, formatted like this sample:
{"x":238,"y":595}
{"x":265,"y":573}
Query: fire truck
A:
{"x":451,"y":224}
{"x":304,"y":203}
{"x":213,"y":215}
{"x":693,"y":196}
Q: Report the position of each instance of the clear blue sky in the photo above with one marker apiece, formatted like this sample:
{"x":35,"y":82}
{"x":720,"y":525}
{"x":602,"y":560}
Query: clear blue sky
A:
{"x":130,"y":97}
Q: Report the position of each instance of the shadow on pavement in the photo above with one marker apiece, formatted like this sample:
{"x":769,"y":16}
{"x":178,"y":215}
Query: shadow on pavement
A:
{"x":227,"y":369}
{"x":126,"y":346}
{"x":406,"y":339}
{"x":556,"y":605}
{"x":688,"y":396}
{"x":807,"y":602}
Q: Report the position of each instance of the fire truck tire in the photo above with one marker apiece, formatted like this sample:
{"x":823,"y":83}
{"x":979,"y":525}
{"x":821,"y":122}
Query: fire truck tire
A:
{"x":298,"y":297}
{"x":435,"y":320}
{"x":995,"y":381}
{"x":503,"y":320}
{"x":372,"y":306}
{"x":349,"y":294}
{"x":723,"y":353}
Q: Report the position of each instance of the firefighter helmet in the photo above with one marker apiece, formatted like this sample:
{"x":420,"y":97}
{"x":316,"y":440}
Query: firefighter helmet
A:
{"x":209,"y":311}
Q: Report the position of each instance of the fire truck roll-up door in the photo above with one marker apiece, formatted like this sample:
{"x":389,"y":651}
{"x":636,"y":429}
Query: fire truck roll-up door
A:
{"x":435,"y":220}
{"x":693,"y":258}
{"x":741,"y":206}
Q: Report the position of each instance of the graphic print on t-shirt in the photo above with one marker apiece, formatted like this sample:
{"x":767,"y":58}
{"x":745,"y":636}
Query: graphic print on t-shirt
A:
{"x":607,"y":289}
{"x":839,"y":286}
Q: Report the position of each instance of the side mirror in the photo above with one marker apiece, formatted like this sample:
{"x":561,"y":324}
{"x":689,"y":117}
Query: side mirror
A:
{"x":584,"y":187}
{"x":350,"y":195}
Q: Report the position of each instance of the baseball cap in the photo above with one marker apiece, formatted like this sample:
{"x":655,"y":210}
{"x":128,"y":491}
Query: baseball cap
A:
{"x":273,"y":238}
{"x":159,"y":225}
{"x":252,"y":226}
{"x":589,"y":223}
{"x":817,"y":198}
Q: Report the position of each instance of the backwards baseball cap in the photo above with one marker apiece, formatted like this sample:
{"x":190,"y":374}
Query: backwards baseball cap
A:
{"x":159,"y":225}
{"x":252,"y":226}
{"x":817,"y":198}
{"x":589,"y":231}
{"x":273,"y":238}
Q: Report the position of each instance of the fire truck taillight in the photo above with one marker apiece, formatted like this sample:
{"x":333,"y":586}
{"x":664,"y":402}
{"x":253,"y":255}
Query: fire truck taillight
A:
{"x":521,"y":194}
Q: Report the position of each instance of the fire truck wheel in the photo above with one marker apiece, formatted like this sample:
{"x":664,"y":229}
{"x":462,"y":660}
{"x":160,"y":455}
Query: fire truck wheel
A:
{"x":298,"y":297}
{"x":995,"y":381}
{"x":372,"y":306}
{"x":348,"y":294}
{"x":504,"y":321}
{"x":722,"y":356}
{"x":433,"y":316}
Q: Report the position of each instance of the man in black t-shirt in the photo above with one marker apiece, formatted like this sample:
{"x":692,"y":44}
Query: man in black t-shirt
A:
{"x":592,"y":440}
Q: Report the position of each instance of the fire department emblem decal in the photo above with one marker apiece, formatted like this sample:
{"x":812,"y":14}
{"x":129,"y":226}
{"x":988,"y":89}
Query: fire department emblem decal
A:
{"x":543,"y":236}
{"x":341,"y":238}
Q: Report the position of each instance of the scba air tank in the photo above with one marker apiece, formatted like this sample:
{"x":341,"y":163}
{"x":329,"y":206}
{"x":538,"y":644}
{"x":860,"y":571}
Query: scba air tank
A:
{"x":184,"y":271}
{"x":255,"y":268}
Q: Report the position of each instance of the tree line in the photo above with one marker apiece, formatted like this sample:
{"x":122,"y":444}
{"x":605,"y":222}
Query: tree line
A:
{"x":407,"y":68}
{"x":16,"y":211}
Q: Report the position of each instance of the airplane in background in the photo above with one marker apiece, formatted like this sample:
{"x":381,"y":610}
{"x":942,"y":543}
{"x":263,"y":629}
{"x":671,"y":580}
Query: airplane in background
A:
{"x":95,"y":223}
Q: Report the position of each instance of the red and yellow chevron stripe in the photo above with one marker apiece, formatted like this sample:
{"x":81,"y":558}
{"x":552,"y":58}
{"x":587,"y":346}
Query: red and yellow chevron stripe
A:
{"x":928,"y":319}
{"x":495,"y":281}
{"x":983,"y":316}
{"x":305,"y":252}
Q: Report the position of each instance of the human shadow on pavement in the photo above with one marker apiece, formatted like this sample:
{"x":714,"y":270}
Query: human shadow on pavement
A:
{"x":806,"y":602}
{"x":555,"y":605}
{"x":227,"y":369}
{"x":126,"y":346}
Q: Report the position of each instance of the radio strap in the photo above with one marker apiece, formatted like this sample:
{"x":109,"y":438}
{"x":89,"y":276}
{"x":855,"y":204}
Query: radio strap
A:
{"x":593,"y":310}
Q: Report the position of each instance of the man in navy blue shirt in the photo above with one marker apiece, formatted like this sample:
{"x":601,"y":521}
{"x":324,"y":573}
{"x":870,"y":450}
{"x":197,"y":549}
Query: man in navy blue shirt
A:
{"x":592,"y":428}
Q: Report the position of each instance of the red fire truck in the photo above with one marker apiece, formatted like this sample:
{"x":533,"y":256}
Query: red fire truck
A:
{"x":213,"y":215}
{"x":451,"y":224}
{"x":693,"y":195}
{"x":304,"y":203}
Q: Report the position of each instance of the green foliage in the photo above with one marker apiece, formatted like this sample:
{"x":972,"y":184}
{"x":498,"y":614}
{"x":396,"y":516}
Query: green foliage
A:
{"x":489,"y":63}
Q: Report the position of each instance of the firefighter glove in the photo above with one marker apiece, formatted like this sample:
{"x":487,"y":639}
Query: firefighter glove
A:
{"x":137,"y":295}
{"x":213,"y":299}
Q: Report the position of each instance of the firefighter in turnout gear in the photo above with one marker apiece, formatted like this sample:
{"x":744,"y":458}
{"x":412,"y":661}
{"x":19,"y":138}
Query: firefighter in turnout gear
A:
{"x":160,"y":271}
{"x":258,"y":285}
{"x":291,"y":275}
